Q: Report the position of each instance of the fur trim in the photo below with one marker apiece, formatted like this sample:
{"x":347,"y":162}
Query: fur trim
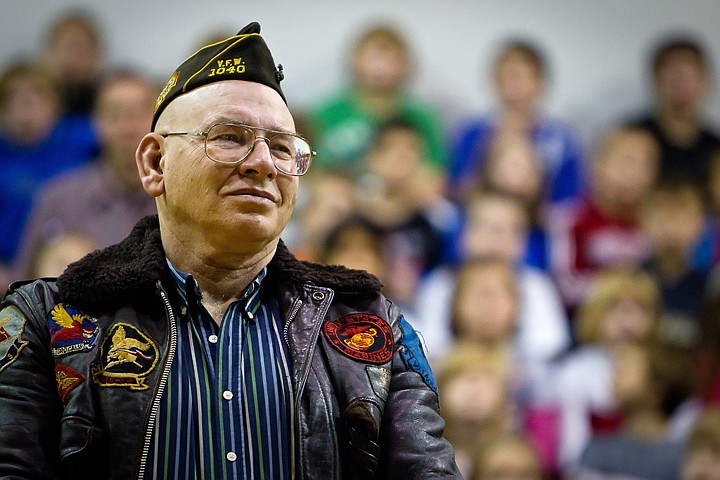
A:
{"x":126,"y":273}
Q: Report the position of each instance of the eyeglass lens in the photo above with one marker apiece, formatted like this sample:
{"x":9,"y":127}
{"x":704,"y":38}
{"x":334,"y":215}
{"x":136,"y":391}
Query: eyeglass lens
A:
{"x":229,"y":143}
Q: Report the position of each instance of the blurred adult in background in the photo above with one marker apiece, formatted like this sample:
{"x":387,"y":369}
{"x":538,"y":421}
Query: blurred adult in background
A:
{"x":37,"y":143}
{"x":520,"y":76}
{"x":681,"y":78}
{"x":73,"y":52}
{"x":103,"y":200}
{"x":345,"y":123}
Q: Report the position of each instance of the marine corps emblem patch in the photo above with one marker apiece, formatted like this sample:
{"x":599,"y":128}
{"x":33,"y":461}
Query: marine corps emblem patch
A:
{"x":70,"y":330}
{"x":361,"y":336}
{"x":127,"y":356}
{"x":12,"y":324}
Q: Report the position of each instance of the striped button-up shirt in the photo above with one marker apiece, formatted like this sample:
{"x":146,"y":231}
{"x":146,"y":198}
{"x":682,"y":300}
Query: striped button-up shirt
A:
{"x":226,"y":410}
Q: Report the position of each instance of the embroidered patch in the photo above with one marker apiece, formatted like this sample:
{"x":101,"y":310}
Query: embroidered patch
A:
{"x":12,"y":324}
{"x":172,"y":81}
{"x":414,"y":356}
{"x":361,"y":336}
{"x":379,"y":380}
{"x":66,"y":379}
{"x":70,"y":330}
{"x":127,"y":356}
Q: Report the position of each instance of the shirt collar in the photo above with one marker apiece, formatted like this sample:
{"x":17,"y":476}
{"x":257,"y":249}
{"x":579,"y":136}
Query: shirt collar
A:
{"x":191,"y":294}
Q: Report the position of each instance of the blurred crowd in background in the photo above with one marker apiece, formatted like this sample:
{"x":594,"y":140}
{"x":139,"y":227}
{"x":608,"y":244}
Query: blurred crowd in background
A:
{"x":568,"y":294}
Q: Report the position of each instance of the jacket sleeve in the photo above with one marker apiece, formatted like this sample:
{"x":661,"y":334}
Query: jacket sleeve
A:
{"x":30,"y":406}
{"x":411,"y":436}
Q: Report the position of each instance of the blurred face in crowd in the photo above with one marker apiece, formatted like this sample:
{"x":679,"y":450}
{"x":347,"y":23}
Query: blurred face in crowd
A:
{"x":218,"y":205}
{"x":486,"y":303}
{"x":380,"y":64}
{"x":625,"y":169}
{"x":396,"y":156}
{"x":514,"y":167}
{"x":122,"y":117}
{"x":475,"y":396}
{"x":357,"y":248}
{"x":496,"y":226}
{"x":73,"y":52}
{"x":518,"y":82}
{"x":508,"y":460}
{"x":673,"y":220}
{"x":627,"y":320}
{"x":701,"y":464}
{"x":30,"y":106}
{"x":681,"y":81}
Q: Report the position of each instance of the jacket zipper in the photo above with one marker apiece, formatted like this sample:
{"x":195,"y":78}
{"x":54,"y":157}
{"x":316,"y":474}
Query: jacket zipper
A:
{"x":163,"y":381}
{"x":286,"y":335}
{"x":286,"y":328}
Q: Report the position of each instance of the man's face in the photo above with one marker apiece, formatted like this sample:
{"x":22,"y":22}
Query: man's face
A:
{"x":226,"y":204}
{"x":681,"y":82}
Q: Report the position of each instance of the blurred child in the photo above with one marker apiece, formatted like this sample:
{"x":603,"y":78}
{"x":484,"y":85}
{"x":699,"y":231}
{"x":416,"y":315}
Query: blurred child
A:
{"x":507,"y":457}
{"x":622,"y":307}
{"x":701,"y":459}
{"x":602,"y":230}
{"x":520,"y":76}
{"x":514,"y":167}
{"x":496,"y":226}
{"x":355,"y":243}
{"x":73,"y":51}
{"x":486,"y":304}
{"x":52,"y":257}
{"x":36,"y":144}
{"x":400,"y":196}
{"x":475,"y":390}
{"x":647,"y":380}
{"x":326,"y":199}
{"x":673,"y":217}
{"x":345,"y":124}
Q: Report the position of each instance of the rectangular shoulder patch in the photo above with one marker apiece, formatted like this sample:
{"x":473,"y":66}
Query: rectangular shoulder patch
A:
{"x":12,"y":324}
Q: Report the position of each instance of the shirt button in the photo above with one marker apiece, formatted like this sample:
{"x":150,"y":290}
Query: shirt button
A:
{"x":231,"y":456}
{"x":227,"y":395}
{"x":213,"y":338}
{"x":183,"y":310}
{"x":250,"y":315}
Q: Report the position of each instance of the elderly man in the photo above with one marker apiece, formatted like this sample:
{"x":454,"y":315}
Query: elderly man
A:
{"x":199,"y":347}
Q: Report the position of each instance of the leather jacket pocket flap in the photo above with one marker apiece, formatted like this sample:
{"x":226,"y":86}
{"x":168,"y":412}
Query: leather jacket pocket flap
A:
{"x":77,"y":437}
{"x":363,"y":433}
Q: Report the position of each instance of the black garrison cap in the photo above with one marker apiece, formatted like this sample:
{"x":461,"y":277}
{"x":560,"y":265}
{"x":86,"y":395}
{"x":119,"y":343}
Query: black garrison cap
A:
{"x":244,"y":56}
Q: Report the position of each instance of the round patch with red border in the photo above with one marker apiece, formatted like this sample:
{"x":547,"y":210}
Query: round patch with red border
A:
{"x":361,"y":336}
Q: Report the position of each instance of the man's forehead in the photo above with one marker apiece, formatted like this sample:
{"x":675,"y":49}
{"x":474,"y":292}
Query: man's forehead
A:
{"x":232,"y":101}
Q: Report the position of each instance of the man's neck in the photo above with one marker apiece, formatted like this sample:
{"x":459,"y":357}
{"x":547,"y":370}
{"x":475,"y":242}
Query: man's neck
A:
{"x":222,"y":276}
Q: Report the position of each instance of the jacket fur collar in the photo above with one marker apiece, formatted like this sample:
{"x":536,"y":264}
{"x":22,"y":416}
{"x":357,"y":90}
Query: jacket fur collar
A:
{"x":126,"y":273}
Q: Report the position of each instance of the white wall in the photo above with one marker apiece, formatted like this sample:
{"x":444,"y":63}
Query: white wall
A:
{"x":597,"y":48}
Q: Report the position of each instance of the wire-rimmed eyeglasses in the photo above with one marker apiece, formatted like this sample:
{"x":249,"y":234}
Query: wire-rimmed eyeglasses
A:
{"x":231,"y":143}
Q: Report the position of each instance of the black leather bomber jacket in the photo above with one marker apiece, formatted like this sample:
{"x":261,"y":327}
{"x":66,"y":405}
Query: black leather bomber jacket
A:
{"x":69,"y":410}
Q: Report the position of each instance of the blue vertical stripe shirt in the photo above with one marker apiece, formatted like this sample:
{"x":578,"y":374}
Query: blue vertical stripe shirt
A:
{"x":226,"y":411}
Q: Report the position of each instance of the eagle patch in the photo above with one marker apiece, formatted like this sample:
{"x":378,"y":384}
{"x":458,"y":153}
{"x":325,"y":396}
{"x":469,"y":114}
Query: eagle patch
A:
{"x":127,"y":356}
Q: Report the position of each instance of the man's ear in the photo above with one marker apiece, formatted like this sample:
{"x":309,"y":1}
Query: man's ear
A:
{"x":150,"y":163}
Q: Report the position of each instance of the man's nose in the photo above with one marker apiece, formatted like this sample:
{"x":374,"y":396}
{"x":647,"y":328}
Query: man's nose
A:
{"x":260,"y":160}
